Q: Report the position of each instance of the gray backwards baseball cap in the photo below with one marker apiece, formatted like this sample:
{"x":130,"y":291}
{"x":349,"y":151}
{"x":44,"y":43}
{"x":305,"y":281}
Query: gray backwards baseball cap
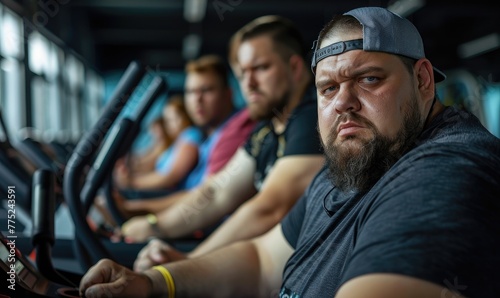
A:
{"x":383,"y":31}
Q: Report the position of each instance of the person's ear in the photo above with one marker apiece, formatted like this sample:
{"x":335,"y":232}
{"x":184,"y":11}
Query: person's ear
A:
{"x":425,"y":77}
{"x":297,"y":67}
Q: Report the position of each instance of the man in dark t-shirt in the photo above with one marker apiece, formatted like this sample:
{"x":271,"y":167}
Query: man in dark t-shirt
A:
{"x":246,"y":197}
{"x":266,"y":146}
{"x":406,"y":206}
{"x":407,"y":223}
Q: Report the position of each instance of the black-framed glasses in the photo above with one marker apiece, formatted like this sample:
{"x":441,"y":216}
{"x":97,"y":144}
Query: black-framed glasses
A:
{"x":202,"y":90}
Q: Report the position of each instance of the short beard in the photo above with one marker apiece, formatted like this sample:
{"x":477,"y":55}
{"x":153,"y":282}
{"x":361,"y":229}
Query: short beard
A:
{"x":358,"y":169}
{"x":258,"y":112}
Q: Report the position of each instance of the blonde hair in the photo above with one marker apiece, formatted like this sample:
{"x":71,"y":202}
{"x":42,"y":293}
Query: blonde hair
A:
{"x":209,"y":63}
{"x":177,"y":102}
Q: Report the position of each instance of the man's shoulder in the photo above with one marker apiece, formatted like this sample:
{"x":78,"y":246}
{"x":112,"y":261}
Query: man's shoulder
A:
{"x":239,"y":119}
{"x":457,"y":134}
{"x":456,"y":125}
{"x":241,"y":115}
{"x":192,"y":133}
{"x":444,"y":170}
{"x":308,"y":104}
{"x":305,"y":113}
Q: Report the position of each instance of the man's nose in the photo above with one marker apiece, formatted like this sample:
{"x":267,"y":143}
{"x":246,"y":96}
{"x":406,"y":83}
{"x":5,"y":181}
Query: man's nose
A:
{"x":249,"y":80}
{"x":346,"y":100}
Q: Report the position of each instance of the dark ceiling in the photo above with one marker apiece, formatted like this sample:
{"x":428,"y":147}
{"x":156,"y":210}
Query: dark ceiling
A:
{"x":111,"y":33}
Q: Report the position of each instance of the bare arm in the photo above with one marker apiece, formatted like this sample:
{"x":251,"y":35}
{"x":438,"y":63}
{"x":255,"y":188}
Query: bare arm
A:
{"x":249,"y":269}
{"x":221,"y":194}
{"x":379,"y":285}
{"x":146,"y":162}
{"x":202,"y":207}
{"x":244,"y":269}
{"x":283,"y":186}
{"x":153,"y":205}
{"x":186,"y":157}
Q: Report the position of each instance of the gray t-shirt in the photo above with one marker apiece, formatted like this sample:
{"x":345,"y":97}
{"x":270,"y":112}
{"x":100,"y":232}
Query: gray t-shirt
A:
{"x":435,"y":215}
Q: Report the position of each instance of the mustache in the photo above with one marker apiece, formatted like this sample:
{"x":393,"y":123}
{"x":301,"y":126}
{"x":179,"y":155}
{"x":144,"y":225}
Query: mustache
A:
{"x":345,"y":117}
{"x":254,"y":91}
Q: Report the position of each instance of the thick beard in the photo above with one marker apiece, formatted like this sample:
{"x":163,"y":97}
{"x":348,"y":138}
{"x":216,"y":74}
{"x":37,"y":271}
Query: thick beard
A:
{"x":358,"y":169}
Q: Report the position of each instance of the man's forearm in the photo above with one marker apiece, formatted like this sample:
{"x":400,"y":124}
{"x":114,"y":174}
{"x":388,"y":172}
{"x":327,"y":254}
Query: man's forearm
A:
{"x":153,"y":180}
{"x":218,"y":196}
{"x":247,"y":222}
{"x":197,"y":210}
{"x":153,"y":205}
{"x":233,"y":271}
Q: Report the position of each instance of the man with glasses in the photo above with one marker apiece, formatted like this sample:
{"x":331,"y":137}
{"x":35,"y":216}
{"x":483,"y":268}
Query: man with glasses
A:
{"x":208,"y":101}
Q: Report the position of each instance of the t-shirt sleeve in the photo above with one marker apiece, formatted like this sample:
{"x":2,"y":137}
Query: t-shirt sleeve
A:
{"x":191,"y":135}
{"x":416,"y":228}
{"x":291,"y":224}
{"x":233,"y":135}
{"x":164,"y":161}
{"x":302,"y":134}
{"x":248,"y":144}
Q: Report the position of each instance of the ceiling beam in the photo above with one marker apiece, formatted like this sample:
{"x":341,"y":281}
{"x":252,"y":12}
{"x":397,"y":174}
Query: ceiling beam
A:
{"x":130,"y":4}
{"x":137,"y":36}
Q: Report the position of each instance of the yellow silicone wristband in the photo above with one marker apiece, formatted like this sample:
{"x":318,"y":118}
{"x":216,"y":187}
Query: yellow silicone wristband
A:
{"x":168,"y":280}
